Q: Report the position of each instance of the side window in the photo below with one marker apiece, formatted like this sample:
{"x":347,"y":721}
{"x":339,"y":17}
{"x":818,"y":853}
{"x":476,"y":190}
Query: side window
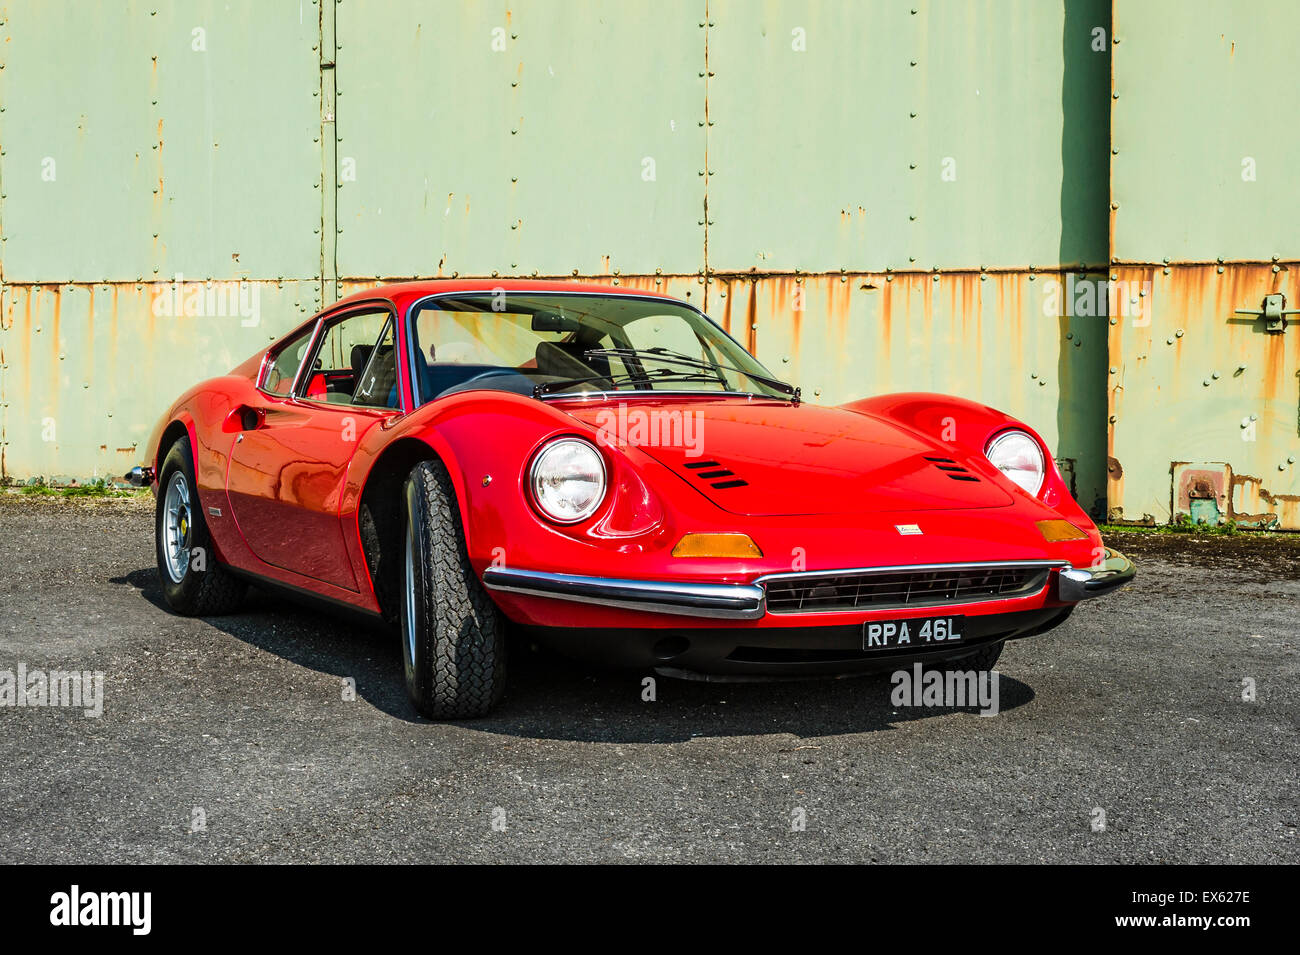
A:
{"x":280,"y":372}
{"x":346,"y":348}
{"x":377,"y":385}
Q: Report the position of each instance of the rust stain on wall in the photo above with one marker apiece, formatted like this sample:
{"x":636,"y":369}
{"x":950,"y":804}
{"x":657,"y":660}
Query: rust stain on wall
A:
{"x":1251,"y":504}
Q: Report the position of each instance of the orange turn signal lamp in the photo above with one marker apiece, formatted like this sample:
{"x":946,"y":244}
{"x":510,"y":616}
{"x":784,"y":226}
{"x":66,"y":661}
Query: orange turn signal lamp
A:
{"x":1060,"y":531}
{"x":716,"y":545}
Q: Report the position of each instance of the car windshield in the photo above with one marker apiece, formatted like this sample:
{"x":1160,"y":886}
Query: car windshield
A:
{"x":559,"y":344}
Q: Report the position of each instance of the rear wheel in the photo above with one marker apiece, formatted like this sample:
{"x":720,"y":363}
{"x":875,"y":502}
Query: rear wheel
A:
{"x":452,"y":634}
{"x":193,"y":583}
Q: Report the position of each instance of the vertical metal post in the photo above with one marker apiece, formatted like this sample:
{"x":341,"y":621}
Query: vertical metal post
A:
{"x":329,"y":192}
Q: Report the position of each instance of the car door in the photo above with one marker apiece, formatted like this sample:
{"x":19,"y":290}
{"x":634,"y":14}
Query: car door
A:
{"x":289,"y":466}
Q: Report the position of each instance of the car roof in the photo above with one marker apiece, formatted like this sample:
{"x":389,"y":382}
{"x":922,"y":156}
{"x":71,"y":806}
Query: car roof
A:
{"x":402,"y":293}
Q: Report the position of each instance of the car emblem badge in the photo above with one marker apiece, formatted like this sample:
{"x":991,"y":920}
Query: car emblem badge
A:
{"x":907,"y":529}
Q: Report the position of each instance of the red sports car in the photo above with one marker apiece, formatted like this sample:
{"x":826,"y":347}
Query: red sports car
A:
{"x":607,"y":469}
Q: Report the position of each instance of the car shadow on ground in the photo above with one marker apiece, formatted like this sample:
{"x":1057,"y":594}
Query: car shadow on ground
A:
{"x":552,"y":697}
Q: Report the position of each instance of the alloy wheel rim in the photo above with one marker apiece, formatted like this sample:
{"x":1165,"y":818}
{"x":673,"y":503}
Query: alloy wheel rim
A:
{"x":178,"y":527}
{"x":408,"y":623}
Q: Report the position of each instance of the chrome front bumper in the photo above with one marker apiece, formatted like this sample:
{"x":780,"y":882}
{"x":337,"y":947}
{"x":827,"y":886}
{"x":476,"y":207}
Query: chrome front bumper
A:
{"x":719,"y":601}
{"x":1080,"y":583}
{"x":746,"y":601}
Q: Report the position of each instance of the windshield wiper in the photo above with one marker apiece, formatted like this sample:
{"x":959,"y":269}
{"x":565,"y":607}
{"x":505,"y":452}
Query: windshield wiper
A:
{"x":664,"y":374}
{"x":659,"y":353}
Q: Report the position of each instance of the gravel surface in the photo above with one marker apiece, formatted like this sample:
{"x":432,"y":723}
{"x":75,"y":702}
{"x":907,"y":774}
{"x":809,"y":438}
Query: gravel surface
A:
{"x":1132,"y":709}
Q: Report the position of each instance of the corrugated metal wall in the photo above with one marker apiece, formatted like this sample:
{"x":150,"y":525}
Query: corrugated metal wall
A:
{"x":1204,"y":402}
{"x":139,"y":141}
{"x":873,"y":196}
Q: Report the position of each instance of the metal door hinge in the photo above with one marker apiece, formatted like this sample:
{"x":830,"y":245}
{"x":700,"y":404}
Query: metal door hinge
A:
{"x":1274,"y":312}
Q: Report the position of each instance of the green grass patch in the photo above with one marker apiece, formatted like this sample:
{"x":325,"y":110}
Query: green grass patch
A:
{"x":1185,"y":525}
{"x":99,"y":488}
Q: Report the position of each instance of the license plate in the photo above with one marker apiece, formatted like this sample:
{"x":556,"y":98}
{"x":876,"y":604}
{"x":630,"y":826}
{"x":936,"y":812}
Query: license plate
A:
{"x":918,"y":633}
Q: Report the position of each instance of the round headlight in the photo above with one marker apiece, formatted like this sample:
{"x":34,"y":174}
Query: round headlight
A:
{"x":567,"y":480}
{"x":1019,"y":457}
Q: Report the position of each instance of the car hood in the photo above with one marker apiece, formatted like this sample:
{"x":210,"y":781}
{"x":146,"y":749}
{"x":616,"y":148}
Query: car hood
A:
{"x":769,"y":458}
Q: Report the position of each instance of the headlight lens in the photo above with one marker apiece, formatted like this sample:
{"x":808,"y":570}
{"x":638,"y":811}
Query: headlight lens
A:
{"x":1019,"y":457}
{"x":568,"y":480}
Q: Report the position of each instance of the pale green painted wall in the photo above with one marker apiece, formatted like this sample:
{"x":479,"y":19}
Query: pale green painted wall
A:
{"x":745,"y":140}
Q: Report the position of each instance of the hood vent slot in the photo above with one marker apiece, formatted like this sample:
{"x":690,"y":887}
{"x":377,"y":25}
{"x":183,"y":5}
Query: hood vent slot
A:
{"x":713,"y":473}
{"x":954,"y":470}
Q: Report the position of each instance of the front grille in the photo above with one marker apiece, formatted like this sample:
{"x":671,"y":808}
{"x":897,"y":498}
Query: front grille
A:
{"x":903,"y":587}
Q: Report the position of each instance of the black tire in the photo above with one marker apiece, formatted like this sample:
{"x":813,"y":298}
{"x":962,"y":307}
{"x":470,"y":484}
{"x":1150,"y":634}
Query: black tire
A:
{"x":203,"y":587}
{"x":452,"y":634}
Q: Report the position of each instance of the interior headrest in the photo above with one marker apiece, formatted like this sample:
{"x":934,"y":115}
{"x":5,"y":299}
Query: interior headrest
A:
{"x":360,"y":355}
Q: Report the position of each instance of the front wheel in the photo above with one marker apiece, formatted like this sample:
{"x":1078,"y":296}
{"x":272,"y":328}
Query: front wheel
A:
{"x":453,"y":642}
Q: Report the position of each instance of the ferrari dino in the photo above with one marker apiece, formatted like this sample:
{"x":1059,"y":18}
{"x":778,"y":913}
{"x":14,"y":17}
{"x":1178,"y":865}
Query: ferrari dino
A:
{"x":607,"y":470}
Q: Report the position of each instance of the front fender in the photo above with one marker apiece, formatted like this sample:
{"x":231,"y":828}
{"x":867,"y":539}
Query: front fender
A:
{"x":486,"y":439}
{"x":965,"y":427}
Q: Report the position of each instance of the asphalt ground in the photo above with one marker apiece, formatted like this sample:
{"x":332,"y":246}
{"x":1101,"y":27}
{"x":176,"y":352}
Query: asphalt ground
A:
{"x":1122,"y":736}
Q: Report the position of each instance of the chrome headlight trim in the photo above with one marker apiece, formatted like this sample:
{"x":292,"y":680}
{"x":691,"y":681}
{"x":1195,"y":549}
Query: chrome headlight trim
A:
{"x":1003,"y":439}
{"x":539,"y":459}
